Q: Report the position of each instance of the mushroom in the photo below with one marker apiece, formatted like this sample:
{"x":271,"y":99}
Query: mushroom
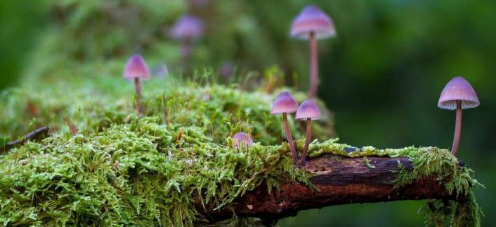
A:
{"x":241,"y":138}
{"x":308,"y":111}
{"x":227,"y":70}
{"x":284,"y":104}
{"x":312,"y":24}
{"x":458,"y":94}
{"x":186,"y":30}
{"x":136,"y":69}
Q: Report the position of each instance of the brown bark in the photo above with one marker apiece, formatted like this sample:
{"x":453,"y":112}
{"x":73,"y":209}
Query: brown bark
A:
{"x":338,"y":180}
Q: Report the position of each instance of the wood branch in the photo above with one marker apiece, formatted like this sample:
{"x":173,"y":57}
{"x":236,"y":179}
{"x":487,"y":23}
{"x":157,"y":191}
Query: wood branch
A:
{"x":339,"y":180}
{"x":37,"y":134}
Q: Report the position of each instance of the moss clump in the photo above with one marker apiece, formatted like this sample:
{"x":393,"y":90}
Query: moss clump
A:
{"x":217,"y":111}
{"x":139,"y":173}
{"x":145,"y":173}
{"x":462,"y":213}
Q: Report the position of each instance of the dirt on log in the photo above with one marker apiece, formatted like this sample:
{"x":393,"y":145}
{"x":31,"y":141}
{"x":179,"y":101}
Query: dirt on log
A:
{"x":338,"y":180}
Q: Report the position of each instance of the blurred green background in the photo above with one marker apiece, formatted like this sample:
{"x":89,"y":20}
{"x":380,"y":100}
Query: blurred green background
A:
{"x":382,"y":75}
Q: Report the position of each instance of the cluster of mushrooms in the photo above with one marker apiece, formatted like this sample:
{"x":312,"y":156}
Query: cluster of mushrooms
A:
{"x":311,"y":24}
{"x":285,"y":104}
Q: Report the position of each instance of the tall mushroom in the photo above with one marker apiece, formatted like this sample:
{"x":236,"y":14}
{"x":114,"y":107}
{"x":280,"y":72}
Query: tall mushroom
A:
{"x":458,"y":94}
{"x":284,"y":104}
{"x":312,"y":24}
{"x":308,"y":111}
{"x":136,"y":69}
{"x":187,"y":29}
{"x":241,"y":138}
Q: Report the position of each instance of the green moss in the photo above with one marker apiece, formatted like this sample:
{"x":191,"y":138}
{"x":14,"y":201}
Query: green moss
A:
{"x":426,"y":162}
{"x":121,"y":170}
{"x":137,"y":173}
{"x":367,"y":163}
{"x":462,"y":213}
{"x":142,"y":172}
{"x":217,"y":111}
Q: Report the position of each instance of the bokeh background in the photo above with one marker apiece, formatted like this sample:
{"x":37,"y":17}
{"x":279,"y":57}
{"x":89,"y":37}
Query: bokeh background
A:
{"x":381,"y":75}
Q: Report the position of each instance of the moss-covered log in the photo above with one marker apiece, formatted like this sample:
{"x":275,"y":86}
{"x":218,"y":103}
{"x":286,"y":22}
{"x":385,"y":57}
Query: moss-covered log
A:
{"x":337,"y":180}
{"x":143,"y":172}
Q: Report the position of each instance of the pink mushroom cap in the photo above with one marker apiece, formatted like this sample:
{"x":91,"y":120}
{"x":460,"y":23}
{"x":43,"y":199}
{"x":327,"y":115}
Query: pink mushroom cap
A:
{"x":136,"y":68}
{"x":308,"y":109}
{"x":187,"y":27}
{"x":312,"y":19}
{"x":284,"y":103}
{"x":458,"y":89}
{"x":242,"y":138}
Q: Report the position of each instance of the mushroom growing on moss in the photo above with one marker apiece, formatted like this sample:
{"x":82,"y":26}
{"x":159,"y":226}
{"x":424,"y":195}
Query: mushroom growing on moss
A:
{"x":308,"y":111}
{"x":186,"y":30}
{"x":312,"y":24}
{"x":136,"y":69}
{"x":284,"y":104}
{"x":458,"y":94}
{"x":241,"y":139}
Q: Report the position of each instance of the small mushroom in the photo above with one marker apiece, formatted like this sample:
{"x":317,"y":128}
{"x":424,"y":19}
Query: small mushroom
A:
{"x":241,"y":138}
{"x":186,"y":30}
{"x":227,"y":70}
{"x":136,"y":69}
{"x":308,"y":111}
{"x":284,"y":104}
{"x":458,"y":94}
{"x":312,"y":24}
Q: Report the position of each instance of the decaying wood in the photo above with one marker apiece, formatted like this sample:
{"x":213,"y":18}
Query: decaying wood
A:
{"x":338,"y":180}
{"x":37,"y":134}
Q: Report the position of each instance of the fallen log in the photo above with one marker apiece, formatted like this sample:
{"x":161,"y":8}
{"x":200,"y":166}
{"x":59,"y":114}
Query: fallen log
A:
{"x":338,"y":180}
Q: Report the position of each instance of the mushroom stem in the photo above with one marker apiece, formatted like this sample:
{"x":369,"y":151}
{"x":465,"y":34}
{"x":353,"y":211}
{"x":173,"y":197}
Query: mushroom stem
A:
{"x":190,"y":6}
{"x":289,"y":137}
{"x":313,"y":65}
{"x":308,"y":136}
{"x":137,"y":86}
{"x":458,"y":127}
{"x":185,"y":53}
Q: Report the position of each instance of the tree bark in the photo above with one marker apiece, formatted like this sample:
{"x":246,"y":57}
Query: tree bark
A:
{"x":339,"y":180}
